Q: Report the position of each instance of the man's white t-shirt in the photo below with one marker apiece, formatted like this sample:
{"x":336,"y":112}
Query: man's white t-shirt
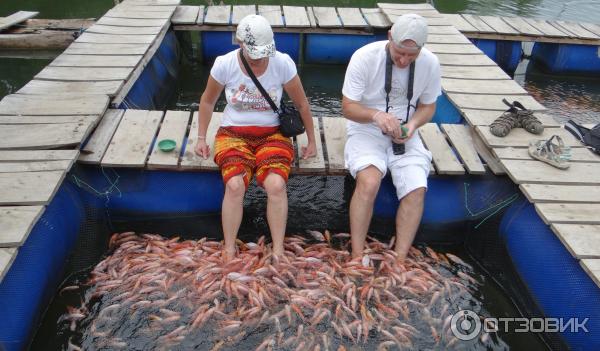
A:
{"x":365,"y":82}
{"x":246,"y":106}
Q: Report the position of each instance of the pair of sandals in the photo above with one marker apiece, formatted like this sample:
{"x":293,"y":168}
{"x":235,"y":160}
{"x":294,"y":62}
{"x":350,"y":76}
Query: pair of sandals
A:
{"x":516,"y":116}
{"x":553,"y":153}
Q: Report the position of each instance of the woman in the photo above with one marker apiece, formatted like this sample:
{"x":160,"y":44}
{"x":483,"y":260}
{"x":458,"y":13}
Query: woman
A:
{"x":248,"y":141}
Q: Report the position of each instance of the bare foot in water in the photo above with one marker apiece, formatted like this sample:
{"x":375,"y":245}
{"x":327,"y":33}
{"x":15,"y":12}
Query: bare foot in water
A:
{"x":228,"y":255}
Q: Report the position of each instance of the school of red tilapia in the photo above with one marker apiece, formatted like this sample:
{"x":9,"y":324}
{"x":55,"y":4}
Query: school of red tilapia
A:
{"x":158,"y":293}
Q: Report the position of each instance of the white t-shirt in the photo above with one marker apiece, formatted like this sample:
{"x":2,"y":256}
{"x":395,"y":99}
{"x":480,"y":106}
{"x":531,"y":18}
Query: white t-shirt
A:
{"x":365,"y":82}
{"x":245,"y":104}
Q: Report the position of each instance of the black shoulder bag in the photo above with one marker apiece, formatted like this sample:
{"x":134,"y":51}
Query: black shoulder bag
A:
{"x":397,"y":148}
{"x":290,"y":123}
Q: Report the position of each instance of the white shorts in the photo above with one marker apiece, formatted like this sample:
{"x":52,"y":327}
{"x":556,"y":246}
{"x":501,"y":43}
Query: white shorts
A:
{"x":371,"y":148}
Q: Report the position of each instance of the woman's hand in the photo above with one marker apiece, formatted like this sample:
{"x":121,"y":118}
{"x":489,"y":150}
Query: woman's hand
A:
{"x":202,"y":149}
{"x":310,"y":150}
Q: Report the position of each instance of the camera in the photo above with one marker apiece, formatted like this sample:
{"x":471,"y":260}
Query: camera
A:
{"x":398,"y":149}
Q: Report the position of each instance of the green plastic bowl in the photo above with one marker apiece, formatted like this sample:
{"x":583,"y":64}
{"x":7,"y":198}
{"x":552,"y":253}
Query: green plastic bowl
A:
{"x":167,"y":145}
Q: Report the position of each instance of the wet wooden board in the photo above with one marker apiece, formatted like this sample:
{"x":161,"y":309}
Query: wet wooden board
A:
{"x":464,"y":49}
{"x":48,"y":87}
{"x":48,"y":119}
{"x":18,"y":104}
{"x":16,"y":224}
{"x":351,"y":17}
{"x":578,"y":154}
{"x":447,"y":39}
{"x":192,"y":161}
{"x":539,"y":172}
{"x":114,"y":39}
{"x":131,"y":142}
{"x":218,"y":15}
{"x":74,"y":74}
{"x":474,"y":72}
{"x":497,"y":24}
{"x":42,"y":136}
{"x":582,"y":240}
{"x":272,"y":13}
{"x":132,"y":22}
{"x":29,"y":188}
{"x":326,"y":17}
{"x":546,"y":28}
{"x":132,"y":14}
{"x":96,"y":61}
{"x":459,"y":22}
{"x":94,"y":149}
{"x":174,"y":127}
{"x":186,"y":14}
{"x":295,"y":16}
{"x":492,"y":102}
{"x":11,"y":167}
{"x":16,"y":18}
{"x":486,"y":117}
{"x":521,"y":25}
{"x":7,"y":256}
{"x":37,"y":155}
{"x":460,"y":137}
{"x":519,"y":137}
{"x":592,"y":267}
{"x":540,"y":193}
{"x":475,"y":86}
{"x":592,"y":27}
{"x":465,"y":60}
{"x":313,"y":164}
{"x":376,"y":18}
{"x":478,"y":23}
{"x":576,"y":29}
{"x":443,"y":157}
{"x":334,"y":131}
{"x":484,"y":152}
{"x":568,"y":213}
{"x":106,"y":49}
{"x":117,"y":30}
{"x":240,"y":11}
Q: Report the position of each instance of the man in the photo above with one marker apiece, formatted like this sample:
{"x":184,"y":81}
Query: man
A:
{"x":369,"y":150}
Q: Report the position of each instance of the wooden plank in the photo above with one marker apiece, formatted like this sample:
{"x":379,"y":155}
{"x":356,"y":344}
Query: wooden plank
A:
{"x":133,"y":22}
{"x":497,"y":24}
{"x":568,"y":213}
{"x":351,"y":17}
{"x":447,"y":39}
{"x":114,"y":39}
{"x":314,"y":164}
{"x":18,"y":104}
{"x":538,"y":172}
{"x":376,"y":18}
{"x":218,"y":14}
{"x":334,"y":131}
{"x":474,"y":72}
{"x":133,"y":14}
{"x":592,"y":27}
{"x":153,"y":2}
{"x":484,"y":152}
{"x":96,"y":61}
{"x":576,"y":29}
{"x":29,"y":188}
{"x":460,"y":137}
{"x":432,"y":16}
{"x":11,"y":167}
{"x":465,"y":60}
{"x":37,"y":155}
{"x":186,"y":14}
{"x":40,"y":136}
{"x":174,"y":127}
{"x":522,"y":26}
{"x":414,"y":7}
{"x":462,"y":49}
{"x":443,"y":157}
{"x":478,"y":23}
{"x":47,"y":87}
{"x":476,"y":86}
{"x":16,"y":18}
{"x":326,"y":17}
{"x":48,"y":119}
{"x":131,"y":143}
{"x":578,"y":154}
{"x":106,"y":49}
{"x":582,"y":240}
{"x":459,"y":22}
{"x":75,"y":74}
{"x":486,"y":117}
{"x":272,"y":13}
{"x":592,"y":267}
{"x":201,"y":13}
{"x":519,"y":137}
{"x":16,"y":224}
{"x":295,"y":16}
{"x":540,"y":193}
{"x":240,"y":11}
{"x":7,"y":256}
{"x":103,"y":29}
{"x":141,"y":7}
{"x":492,"y":102}
{"x":94,"y":149}
{"x":311,"y":17}
{"x":546,"y":28}
{"x":443,"y":30}
{"x":192,"y":161}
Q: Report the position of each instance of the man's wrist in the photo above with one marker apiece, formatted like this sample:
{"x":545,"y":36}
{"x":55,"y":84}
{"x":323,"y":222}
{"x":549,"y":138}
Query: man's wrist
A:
{"x":375,"y":115}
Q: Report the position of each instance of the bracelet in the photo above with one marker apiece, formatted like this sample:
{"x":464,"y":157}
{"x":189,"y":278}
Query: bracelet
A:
{"x":201,"y":137}
{"x":375,"y":115}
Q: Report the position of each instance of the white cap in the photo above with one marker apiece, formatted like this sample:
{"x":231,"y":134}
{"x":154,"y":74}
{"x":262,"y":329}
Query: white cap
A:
{"x":410,"y":27}
{"x":256,"y":35}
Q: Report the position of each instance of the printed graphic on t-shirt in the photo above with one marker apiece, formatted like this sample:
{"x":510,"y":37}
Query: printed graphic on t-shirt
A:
{"x":398,"y":94}
{"x":246,"y":98}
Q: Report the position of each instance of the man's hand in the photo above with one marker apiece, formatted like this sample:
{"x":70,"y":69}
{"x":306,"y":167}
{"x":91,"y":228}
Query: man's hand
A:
{"x":388,"y":124}
{"x":408,"y":130}
{"x":202,"y":149}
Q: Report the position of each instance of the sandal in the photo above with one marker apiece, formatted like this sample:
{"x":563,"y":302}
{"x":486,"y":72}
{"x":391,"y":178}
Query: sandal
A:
{"x":527,"y":120}
{"x":554,"y":154}
{"x":502,"y":125}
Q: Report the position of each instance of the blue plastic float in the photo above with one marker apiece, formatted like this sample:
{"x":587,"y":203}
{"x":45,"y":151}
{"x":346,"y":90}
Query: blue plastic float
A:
{"x":567,"y":58}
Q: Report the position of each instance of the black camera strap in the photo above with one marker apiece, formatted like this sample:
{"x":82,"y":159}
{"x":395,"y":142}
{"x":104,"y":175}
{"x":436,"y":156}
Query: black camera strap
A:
{"x":257,"y":83}
{"x":388,"y":81}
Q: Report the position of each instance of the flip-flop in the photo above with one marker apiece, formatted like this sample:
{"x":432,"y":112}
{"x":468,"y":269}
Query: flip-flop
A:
{"x":554,"y":154}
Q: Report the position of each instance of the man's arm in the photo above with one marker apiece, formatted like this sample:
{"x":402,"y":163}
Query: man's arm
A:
{"x":354,"y":111}
{"x":422,"y":115}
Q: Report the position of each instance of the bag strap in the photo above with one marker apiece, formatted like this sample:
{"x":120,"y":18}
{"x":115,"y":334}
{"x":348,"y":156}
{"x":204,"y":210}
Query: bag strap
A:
{"x":257,"y":83}
{"x":388,"y":82}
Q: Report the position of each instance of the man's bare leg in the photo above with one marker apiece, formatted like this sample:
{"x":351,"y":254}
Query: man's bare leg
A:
{"x":408,"y":219}
{"x":361,"y":207}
